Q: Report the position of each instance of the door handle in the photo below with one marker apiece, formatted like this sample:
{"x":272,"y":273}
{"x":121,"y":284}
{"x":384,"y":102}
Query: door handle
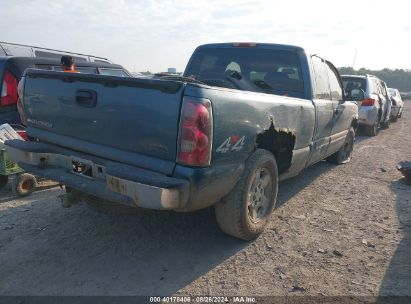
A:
{"x":86,"y":98}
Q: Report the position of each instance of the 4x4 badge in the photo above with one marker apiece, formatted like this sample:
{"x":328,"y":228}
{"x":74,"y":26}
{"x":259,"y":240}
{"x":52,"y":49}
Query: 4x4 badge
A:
{"x":232,"y":143}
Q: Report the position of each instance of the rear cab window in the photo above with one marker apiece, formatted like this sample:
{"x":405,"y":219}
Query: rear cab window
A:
{"x":270,"y":70}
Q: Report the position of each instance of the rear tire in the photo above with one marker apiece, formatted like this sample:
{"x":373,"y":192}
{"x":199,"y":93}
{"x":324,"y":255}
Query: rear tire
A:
{"x":245,"y":212}
{"x":3,"y":181}
{"x":23,"y":184}
{"x":386,"y":124}
{"x":372,"y":130}
{"x":343,"y":155}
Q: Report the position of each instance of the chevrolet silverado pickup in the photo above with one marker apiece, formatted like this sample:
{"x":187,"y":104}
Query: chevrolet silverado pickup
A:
{"x":243,"y":117}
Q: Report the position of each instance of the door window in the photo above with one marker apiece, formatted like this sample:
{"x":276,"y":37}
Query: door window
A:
{"x":335,"y":85}
{"x":321,"y":79}
{"x":376,"y":87}
{"x":383,"y":90}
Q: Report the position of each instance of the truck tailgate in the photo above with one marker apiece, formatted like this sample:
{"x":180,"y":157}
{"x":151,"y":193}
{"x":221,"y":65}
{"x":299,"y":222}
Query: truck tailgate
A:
{"x":124,"y":119}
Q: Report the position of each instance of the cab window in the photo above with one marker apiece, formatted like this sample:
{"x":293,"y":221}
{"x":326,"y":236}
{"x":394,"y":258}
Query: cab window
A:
{"x":322,"y":90}
{"x":335,"y":85}
{"x":271,"y":71}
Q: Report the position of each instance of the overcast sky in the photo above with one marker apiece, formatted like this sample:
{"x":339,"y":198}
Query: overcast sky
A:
{"x":154,"y":35}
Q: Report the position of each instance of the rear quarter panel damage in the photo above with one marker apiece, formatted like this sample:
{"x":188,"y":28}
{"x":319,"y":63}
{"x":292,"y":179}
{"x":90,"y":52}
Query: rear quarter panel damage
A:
{"x":246,"y":116}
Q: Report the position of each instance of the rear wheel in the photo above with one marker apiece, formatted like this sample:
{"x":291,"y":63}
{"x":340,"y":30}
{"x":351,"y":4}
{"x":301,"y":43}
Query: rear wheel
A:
{"x":3,"y":181}
{"x":343,"y":155}
{"x":372,"y":130}
{"x":386,"y":124}
{"x":23,"y":184}
{"x":245,"y":212}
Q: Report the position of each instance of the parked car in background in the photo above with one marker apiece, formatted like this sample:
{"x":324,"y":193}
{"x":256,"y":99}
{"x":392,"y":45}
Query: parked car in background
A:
{"x":405,"y":95}
{"x":372,"y":99}
{"x":243,"y":116}
{"x":12,"y":68}
{"x":22,"y":50}
{"x":397,"y":104}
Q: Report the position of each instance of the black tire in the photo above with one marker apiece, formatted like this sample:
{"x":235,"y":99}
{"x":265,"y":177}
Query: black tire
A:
{"x":238,"y":214}
{"x":23,"y":184}
{"x":3,"y":181}
{"x":386,"y":124}
{"x":372,"y":130}
{"x":343,"y":155}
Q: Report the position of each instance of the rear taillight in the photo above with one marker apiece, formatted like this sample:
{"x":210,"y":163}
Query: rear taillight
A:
{"x":196,"y":132}
{"x":23,"y":134}
{"x":9,"y":93}
{"x":368,"y":102}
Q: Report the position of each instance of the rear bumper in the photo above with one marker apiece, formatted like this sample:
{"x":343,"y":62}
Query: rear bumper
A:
{"x":104,"y":179}
{"x":395,"y":111}
{"x":367,"y":115}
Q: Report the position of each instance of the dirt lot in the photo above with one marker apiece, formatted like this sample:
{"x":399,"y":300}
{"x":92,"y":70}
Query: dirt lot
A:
{"x":337,"y":230}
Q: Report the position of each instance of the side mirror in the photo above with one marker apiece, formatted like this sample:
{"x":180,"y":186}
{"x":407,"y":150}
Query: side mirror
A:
{"x":355,"y":95}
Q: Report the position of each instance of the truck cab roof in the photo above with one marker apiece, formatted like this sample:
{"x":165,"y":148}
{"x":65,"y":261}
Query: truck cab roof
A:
{"x":253,"y":44}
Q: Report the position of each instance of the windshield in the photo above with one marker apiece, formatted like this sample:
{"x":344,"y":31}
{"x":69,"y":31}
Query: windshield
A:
{"x":272,"y":71}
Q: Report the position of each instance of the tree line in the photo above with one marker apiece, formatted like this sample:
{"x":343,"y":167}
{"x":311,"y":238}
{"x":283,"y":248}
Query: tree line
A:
{"x":398,"y":78}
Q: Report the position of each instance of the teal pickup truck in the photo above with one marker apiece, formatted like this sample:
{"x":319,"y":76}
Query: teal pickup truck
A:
{"x":243,"y":117}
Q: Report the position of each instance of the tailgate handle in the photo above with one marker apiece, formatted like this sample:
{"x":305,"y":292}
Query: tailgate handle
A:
{"x":86,"y":98}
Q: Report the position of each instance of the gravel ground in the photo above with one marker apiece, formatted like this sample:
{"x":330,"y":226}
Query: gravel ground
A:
{"x":337,"y":230}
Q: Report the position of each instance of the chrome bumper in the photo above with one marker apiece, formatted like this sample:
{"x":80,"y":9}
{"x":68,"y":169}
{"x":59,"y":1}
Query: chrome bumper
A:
{"x":105,"y":180}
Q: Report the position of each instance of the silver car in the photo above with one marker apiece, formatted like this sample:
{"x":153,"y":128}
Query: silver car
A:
{"x":374,"y":104}
{"x":397,"y":104}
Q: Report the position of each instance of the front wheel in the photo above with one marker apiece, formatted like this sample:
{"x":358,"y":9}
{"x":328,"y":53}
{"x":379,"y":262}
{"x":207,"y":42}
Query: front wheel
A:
{"x":343,"y":155}
{"x":245,"y":212}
